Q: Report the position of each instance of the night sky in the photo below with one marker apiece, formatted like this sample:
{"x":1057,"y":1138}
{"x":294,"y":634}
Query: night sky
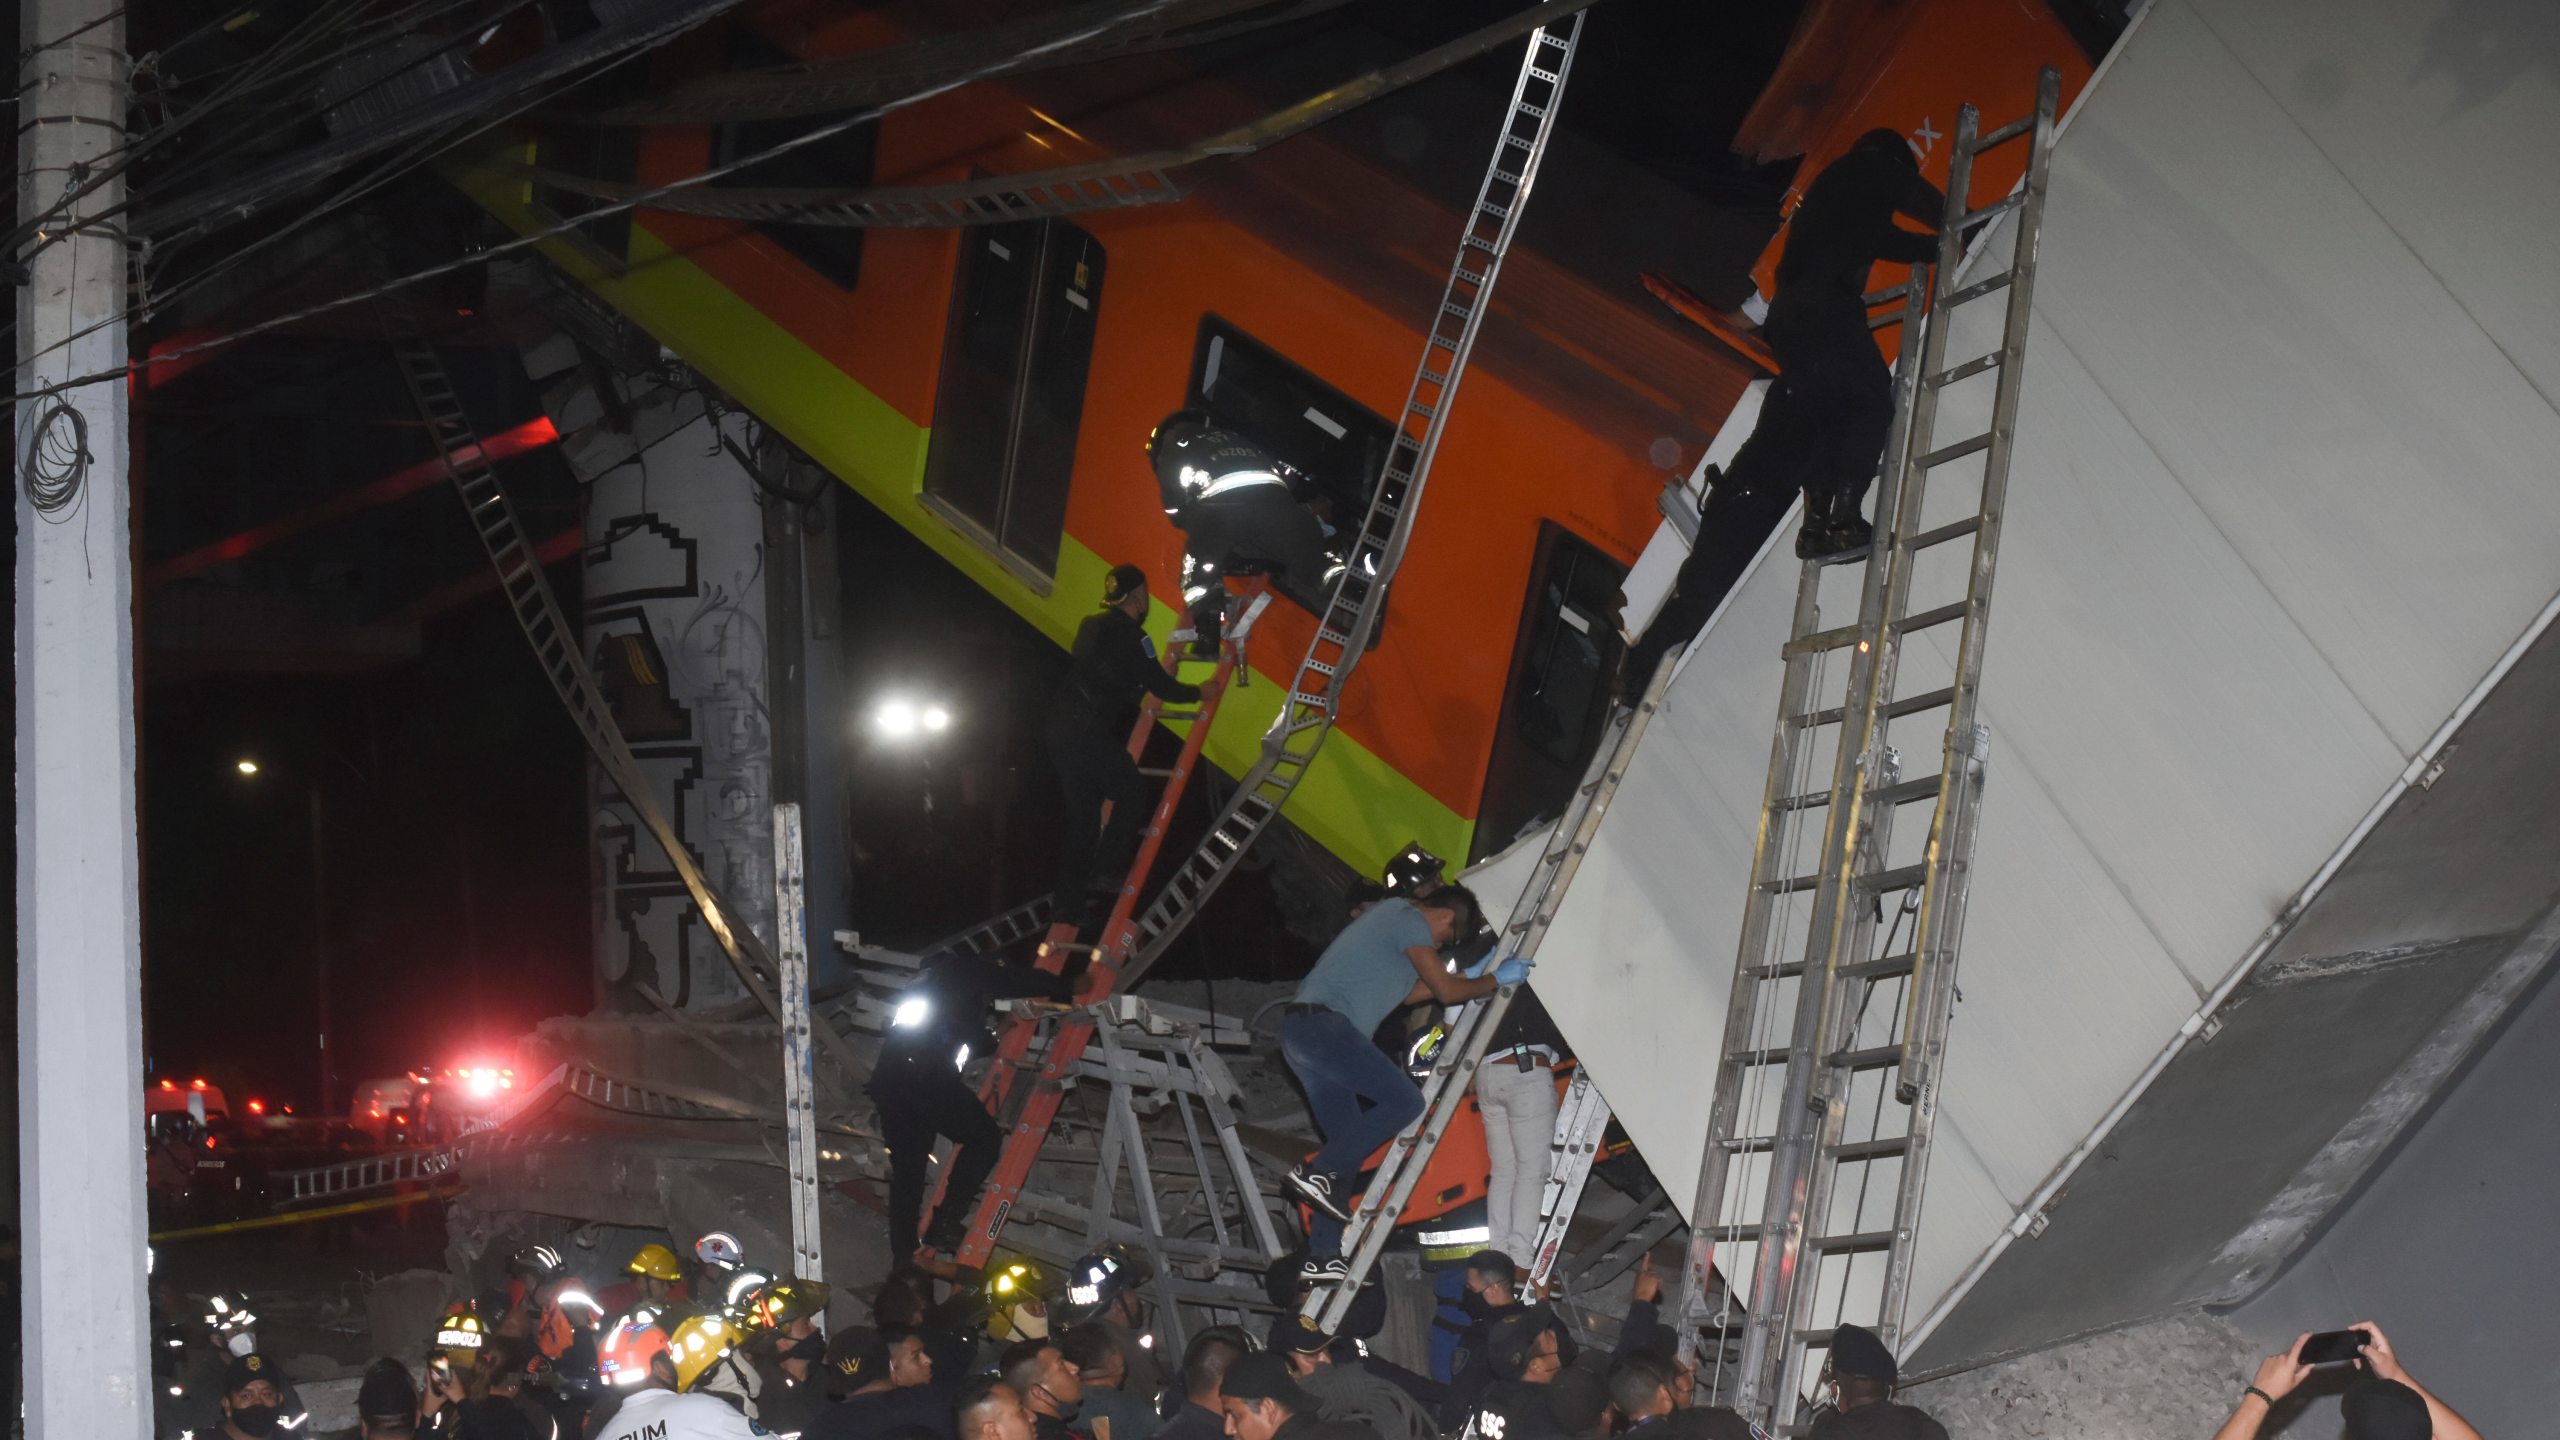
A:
{"x":452,"y":785}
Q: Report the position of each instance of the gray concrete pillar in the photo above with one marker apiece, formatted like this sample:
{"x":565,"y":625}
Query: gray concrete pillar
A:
{"x":79,"y":914}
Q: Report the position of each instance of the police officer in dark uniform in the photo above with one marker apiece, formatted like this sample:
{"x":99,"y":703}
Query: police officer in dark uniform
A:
{"x":1238,"y":515}
{"x":936,"y":1025}
{"x":1833,"y":379}
{"x":1115,"y":662}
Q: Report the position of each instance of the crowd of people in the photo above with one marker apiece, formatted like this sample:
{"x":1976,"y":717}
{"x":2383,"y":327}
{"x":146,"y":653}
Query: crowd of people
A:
{"x":1015,"y":1352}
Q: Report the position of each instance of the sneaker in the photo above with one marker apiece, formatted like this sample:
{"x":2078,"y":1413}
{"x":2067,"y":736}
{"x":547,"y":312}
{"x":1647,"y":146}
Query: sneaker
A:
{"x":1317,"y":1189}
{"x":1335,"y":1271}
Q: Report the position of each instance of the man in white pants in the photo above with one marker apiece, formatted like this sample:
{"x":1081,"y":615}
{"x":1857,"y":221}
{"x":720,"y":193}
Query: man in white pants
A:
{"x":1516,"y":1089}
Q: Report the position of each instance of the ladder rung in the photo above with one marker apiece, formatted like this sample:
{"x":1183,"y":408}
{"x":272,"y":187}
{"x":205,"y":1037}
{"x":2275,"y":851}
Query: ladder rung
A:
{"x":1869,"y":1150}
{"x":1994,"y":210}
{"x":1862,"y":1242}
{"x":1874,"y":1057}
{"x":1817,"y":642}
{"x":1976,"y":290}
{"x":1952,"y":530}
{"x":1965,"y":371}
{"x":1926,"y":618}
{"x":1734,"y":1232}
{"x":1766,"y":1055}
{"x":2005,"y":133}
{"x":1957,"y":451}
{"x":1881,"y":969}
{"x":1885,"y":968}
{"x":1914,"y":704}
{"x":1925,"y":788}
{"x":1791,"y":885}
{"x":1901,"y":877}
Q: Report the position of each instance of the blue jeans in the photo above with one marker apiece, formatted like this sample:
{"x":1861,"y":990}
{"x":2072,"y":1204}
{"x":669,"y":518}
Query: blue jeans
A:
{"x":1360,"y":1099}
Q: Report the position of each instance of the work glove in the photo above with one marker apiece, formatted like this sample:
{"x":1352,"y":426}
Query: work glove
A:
{"x":1512,"y":971}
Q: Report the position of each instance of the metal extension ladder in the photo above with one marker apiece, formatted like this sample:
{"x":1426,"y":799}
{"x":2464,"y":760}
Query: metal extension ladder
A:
{"x":1580,"y":1122}
{"x":556,"y":646}
{"x":1802,"y":1144}
{"x":1373,"y":1221}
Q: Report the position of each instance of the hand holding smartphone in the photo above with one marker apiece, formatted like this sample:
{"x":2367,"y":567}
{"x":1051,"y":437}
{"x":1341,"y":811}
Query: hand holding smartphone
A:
{"x":2334,"y":1347}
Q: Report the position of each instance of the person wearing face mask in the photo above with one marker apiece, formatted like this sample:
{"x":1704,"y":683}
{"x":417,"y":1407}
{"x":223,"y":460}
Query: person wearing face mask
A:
{"x":253,"y":1398}
{"x":1860,"y":1375}
{"x":1038,"y":1370}
{"x":1488,"y":1296}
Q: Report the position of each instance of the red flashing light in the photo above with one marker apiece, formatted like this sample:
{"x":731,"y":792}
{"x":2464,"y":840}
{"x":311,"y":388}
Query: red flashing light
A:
{"x":399,"y":1119}
{"x":208,"y":1142}
{"x":196,"y":1084}
{"x":168,"y":1084}
{"x":257,"y":1107}
{"x":288,"y":1109}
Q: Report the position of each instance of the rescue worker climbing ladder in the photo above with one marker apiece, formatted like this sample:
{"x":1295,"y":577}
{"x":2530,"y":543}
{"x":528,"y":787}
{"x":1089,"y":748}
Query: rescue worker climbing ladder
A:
{"x":1061,"y":960}
{"x":1345,"y":626}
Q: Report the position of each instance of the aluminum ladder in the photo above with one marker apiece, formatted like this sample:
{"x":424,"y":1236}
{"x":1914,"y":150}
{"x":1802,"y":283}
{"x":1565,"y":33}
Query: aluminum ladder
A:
{"x":1800,"y":1119}
{"x":1580,"y":1122}
{"x":1343,"y":633}
{"x":1381,"y":1204}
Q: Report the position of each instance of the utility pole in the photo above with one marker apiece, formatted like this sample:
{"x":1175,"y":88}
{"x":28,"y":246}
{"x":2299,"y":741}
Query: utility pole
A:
{"x":79,"y":910}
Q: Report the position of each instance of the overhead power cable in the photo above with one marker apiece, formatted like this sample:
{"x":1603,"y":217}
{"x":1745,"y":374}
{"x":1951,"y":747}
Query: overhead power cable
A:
{"x":789,"y":92}
{"x":1097,"y":185}
{"x":535,"y":237}
{"x":239,"y":198}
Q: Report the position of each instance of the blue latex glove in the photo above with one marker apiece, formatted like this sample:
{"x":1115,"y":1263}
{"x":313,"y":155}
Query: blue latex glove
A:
{"x":1512,"y":971}
{"x":1480,"y":969}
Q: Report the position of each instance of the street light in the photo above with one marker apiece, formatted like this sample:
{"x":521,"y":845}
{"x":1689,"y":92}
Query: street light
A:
{"x":250,"y":769}
{"x":901,"y":719}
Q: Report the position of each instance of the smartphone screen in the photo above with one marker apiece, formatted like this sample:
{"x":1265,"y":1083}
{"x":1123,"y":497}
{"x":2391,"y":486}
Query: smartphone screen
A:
{"x":2333,"y":1347}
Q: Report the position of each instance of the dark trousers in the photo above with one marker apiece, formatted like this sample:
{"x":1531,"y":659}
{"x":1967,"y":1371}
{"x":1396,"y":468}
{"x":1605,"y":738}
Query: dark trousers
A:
{"x":1257,"y":528}
{"x":920,"y":1098}
{"x":1094,"y":769}
{"x":1743,"y":506}
{"x":1841,"y":386}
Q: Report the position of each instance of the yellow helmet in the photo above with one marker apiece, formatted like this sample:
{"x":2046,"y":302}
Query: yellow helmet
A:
{"x":696,"y":1344}
{"x":654,"y":1262}
{"x":1017,"y":1300}
{"x":459,"y":1330}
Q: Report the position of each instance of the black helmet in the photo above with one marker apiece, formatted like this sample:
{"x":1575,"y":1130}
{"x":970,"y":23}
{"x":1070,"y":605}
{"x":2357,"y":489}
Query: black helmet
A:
{"x":1097,"y":1281}
{"x":1178,"y":431}
{"x":534,"y":1262}
{"x":1413,"y":871}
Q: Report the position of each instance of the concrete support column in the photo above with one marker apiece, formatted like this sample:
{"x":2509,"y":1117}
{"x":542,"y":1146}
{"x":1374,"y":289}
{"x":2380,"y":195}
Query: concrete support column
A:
{"x":79,"y":927}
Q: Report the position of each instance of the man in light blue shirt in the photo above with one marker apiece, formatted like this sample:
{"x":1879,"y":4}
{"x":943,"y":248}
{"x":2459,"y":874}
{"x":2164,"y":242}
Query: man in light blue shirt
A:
{"x":1387,"y":958}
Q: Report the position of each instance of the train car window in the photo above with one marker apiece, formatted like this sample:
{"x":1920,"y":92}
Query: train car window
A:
{"x":842,"y":161}
{"x":1010,"y":400}
{"x":1335,"y":442}
{"x":1556,"y":703}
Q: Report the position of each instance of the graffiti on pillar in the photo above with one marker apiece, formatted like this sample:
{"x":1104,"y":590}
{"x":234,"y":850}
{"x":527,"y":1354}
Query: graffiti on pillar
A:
{"x":674,"y":622}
